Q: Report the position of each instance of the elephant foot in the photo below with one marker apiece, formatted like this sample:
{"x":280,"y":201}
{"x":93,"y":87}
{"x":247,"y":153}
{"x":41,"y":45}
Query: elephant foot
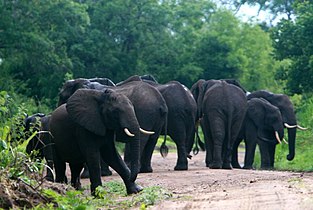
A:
{"x":214,"y":166}
{"x":235,"y":164}
{"x":227,"y":166}
{"x":133,"y":188}
{"x":181,"y":167}
{"x":146,"y":170}
{"x":267,"y":168}
{"x":249,"y":167}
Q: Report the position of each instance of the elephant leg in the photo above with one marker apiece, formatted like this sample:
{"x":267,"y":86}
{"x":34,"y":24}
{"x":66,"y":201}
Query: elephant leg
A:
{"x":250,"y":144}
{"x":272,"y":148}
{"x":146,"y":156}
{"x":208,"y":142}
{"x":75,"y":175}
{"x":218,"y":136}
{"x":114,"y":160}
{"x":249,"y":154}
{"x":179,"y":137}
{"x":265,"y":154}
{"x":234,"y":158}
{"x":48,"y":154}
{"x":60,"y":168}
{"x":92,"y":155}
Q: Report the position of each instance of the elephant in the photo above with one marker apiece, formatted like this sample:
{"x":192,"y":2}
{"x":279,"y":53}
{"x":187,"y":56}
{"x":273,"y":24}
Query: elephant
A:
{"x":181,"y":120}
{"x":286,"y":108}
{"x":42,"y":141}
{"x":150,"y":108}
{"x":84,"y":130}
{"x":221,"y":111}
{"x":68,"y":88}
{"x":263,"y":125}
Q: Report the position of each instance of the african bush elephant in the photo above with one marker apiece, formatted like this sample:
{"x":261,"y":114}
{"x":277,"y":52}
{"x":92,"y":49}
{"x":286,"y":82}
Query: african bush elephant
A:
{"x":150,"y":108}
{"x":221,"y":108}
{"x":263,"y":125}
{"x":182,"y":110}
{"x":68,"y":88}
{"x":288,"y":114}
{"x":83,"y":130}
{"x":42,"y":141}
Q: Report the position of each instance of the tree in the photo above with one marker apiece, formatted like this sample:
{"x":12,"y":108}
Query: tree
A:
{"x":293,"y":42}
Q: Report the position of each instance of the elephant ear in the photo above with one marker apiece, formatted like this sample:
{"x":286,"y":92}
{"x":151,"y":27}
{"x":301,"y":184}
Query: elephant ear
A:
{"x":83,"y":108}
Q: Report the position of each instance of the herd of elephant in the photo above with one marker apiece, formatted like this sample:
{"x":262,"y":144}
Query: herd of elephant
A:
{"x":93,"y":114}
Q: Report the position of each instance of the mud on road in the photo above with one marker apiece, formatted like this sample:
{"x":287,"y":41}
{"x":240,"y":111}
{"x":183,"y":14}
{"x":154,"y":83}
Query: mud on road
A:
{"x":204,"y":188}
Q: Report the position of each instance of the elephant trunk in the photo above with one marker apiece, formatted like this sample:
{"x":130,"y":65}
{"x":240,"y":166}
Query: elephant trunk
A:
{"x":135,"y":156}
{"x":291,"y":143}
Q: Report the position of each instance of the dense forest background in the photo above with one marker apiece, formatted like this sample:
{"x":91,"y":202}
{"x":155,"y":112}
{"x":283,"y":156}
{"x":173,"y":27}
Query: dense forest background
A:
{"x":44,"y":43}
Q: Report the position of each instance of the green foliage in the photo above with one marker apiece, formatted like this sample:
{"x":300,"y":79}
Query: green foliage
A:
{"x":111,"y":196}
{"x":292,"y":41}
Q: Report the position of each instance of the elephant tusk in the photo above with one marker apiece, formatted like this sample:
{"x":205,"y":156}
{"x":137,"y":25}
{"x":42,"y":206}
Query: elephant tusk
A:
{"x":289,"y":126}
{"x":128,"y":133}
{"x":146,"y":132}
{"x":284,"y":140}
{"x":277,"y":137}
{"x":301,"y":128}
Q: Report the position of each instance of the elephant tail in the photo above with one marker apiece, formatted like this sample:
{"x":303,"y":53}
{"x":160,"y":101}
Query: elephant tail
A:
{"x":164,"y":148}
{"x":198,"y":142}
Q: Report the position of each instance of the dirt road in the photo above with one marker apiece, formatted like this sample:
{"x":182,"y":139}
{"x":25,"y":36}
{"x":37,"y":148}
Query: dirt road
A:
{"x":204,"y":188}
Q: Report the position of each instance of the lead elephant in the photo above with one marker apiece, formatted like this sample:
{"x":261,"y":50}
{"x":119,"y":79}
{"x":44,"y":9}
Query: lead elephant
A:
{"x":221,"y":108}
{"x":68,"y":88}
{"x":263,"y":125}
{"x":83,"y":130}
{"x":182,"y":110}
{"x":288,"y":115}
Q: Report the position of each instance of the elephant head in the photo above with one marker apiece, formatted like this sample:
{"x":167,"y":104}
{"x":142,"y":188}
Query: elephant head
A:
{"x":198,"y":91}
{"x":267,"y":119}
{"x":100,"y":111}
{"x":288,"y":115}
{"x":70,"y":87}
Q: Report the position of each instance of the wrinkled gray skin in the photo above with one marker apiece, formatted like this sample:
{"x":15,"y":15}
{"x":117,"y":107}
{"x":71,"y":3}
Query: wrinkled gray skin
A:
{"x":287,"y":111}
{"x":83,"y":131}
{"x":41,"y":142}
{"x":182,"y":110}
{"x":221,"y":109}
{"x":261,"y":121}
{"x":150,"y":109}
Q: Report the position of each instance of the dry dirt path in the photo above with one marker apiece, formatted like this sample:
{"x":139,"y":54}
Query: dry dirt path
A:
{"x":204,"y":188}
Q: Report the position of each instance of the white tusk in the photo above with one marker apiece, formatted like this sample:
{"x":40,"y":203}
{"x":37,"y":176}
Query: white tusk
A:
{"x":128,"y":133}
{"x":146,"y":132}
{"x":289,"y":126}
{"x":277,"y":137}
{"x":284,"y":140}
{"x":301,"y":128}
